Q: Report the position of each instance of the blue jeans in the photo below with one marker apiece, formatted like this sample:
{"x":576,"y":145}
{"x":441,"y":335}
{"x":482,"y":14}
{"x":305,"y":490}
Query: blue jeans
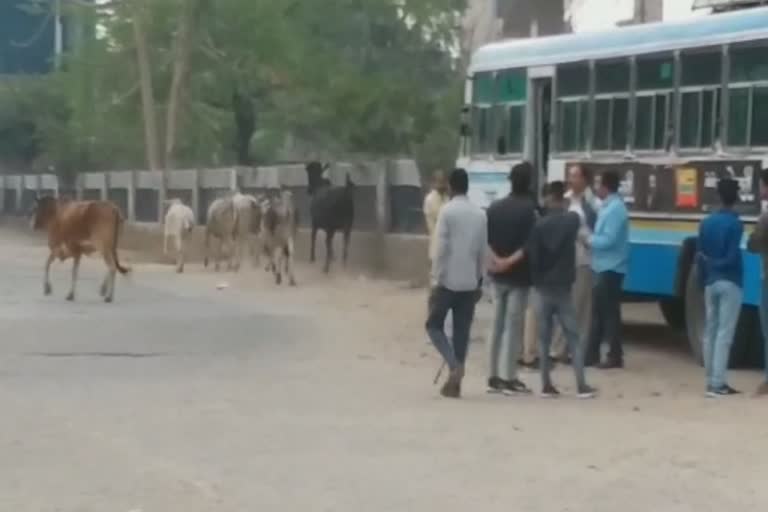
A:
{"x":723,"y":301}
{"x":764,"y":322}
{"x":508,"y":329}
{"x":557,"y":303}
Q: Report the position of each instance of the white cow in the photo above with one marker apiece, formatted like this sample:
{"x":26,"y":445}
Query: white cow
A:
{"x":179,"y":221}
{"x":278,"y":230}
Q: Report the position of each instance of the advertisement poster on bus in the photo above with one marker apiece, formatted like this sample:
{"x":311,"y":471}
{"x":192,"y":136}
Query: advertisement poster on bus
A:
{"x":687,"y":187}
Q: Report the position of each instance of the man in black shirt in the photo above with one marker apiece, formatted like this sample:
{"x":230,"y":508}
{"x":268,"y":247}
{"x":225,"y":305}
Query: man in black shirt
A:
{"x":510,"y":221}
{"x":551,"y":257}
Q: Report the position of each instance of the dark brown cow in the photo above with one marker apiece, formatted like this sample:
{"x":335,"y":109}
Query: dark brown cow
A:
{"x":77,"y":228}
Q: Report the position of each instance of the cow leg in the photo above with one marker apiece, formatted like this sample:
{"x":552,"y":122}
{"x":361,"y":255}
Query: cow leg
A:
{"x":347,"y":236}
{"x":75,"y":270}
{"x":109,"y":280}
{"x":207,"y":246}
{"x":312,"y":244}
{"x":104,"y":288}
{"x":328,"y":250}
{"x":47,"y":288}
{"x":217,"y":256}
{"x":277,"y":264}
{"x":179,"y":253}
{"x":289,"y":262}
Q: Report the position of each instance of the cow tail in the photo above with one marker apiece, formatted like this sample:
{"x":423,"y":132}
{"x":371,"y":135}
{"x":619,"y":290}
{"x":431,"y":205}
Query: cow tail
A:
{"x":118,"y":223}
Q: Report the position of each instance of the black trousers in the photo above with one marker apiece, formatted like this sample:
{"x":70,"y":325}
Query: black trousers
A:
{"x":606,"y":317}
{"x":462,"y":305}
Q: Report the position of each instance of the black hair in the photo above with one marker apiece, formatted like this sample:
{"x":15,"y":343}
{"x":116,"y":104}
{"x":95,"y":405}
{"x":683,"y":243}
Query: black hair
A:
{"x":521,"y":176}
{"x":459,"y":182}
{"x":610,"y":180}
{"x":556,"y":190}
{"x":728,"y":190}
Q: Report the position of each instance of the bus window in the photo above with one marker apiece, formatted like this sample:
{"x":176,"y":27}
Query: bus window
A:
{"x":573,"y":106}
{"x":700,"y":98}
{"x":498,"y":111}
{"x":748,"y":95}
{"x":611,"y":105}
{"x":653,"y":115}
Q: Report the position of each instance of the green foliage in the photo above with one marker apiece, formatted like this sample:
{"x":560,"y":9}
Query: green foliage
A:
{"x":337,"y":77}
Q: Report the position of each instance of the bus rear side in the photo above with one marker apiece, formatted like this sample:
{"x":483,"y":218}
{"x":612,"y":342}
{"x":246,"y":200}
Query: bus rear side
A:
{"x":671,"y":107}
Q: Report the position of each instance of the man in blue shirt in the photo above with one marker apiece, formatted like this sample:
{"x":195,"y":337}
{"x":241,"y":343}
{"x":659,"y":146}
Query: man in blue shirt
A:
{"x":610,"y":258}
{"x":720,"y":271}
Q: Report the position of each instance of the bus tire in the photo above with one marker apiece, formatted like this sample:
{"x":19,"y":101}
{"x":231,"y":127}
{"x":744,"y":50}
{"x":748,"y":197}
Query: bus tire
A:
{"x":673,"y":311}
{"x":746,"y":348}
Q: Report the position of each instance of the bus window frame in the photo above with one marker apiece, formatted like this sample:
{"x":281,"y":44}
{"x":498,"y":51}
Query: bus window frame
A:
{"x":612,"y":96}
{"x":719,"y":118}
{"x":667,"y":147}
{"x":750,"y":85}
{"x":557,"y":122}
{"x":495,"y":123}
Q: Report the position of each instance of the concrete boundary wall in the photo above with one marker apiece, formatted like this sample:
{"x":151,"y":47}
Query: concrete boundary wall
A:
{"x":400,"y":257}
{"x":388,"y":193}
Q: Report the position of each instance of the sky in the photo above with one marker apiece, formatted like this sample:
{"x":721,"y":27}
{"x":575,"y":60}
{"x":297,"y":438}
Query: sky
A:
{"x":601,"y":14}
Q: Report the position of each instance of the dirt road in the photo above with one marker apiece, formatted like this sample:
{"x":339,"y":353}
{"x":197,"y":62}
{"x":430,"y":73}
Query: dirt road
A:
{"x":187,"y":395}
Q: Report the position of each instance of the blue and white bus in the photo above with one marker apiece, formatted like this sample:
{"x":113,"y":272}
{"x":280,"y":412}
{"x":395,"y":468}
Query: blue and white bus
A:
{"x":671,"y":106}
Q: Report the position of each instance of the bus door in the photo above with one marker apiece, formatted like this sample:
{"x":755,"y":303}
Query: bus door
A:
{"x":540,"y":122}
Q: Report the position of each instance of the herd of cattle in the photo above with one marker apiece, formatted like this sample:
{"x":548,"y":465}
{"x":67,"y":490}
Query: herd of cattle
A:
{"x":259,"y":225}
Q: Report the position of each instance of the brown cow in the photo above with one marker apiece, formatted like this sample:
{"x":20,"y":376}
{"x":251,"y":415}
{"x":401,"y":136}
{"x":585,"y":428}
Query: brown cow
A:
{"x":76,"y":228}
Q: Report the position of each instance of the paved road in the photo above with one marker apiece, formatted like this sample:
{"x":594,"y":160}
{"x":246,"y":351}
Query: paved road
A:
{"x":181,"y":397}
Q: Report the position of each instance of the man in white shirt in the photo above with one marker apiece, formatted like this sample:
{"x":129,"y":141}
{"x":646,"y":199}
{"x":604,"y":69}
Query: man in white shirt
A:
{"x":582,"y":201}
{"x":433,"y":202}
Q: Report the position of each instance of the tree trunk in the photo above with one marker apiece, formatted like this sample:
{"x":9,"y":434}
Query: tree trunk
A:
{"x":183,"y":50}
{"x":148,"y":103}
{"x":147,"y":91}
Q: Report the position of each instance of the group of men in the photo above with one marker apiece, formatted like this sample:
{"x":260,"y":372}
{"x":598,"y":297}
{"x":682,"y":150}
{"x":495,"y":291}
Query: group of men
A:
{"x":562,"y":261}
{"x":567,"y":259}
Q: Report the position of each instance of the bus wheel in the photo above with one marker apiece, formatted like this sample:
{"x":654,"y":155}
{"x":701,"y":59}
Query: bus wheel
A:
{"x":747,"y":341}
{"x":694,"y":314}
{"x":673,"y":311}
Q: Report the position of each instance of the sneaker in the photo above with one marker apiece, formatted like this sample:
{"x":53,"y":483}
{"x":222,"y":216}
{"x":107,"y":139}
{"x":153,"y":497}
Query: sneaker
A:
{"x":516,"y":387}
{"x":496,"y":385}
{"x":586,"y":392}
{"x":722,"y":391}
{"x":550,"y":391}
{"x":762,"y":389}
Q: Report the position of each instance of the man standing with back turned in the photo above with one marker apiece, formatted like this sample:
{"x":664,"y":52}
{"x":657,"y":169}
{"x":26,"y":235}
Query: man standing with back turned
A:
{"x":457,"y":274}
{"x":551,"y":253}
{"x":610,"y":261}
{"x":718,"y":259}
{"x":510,"y":221}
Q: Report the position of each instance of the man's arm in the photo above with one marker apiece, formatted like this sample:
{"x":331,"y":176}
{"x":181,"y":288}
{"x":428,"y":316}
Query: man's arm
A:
{"x":441,"y":253}
{"x":482,"y":249}
{"x":758,"y":239}
{"x":608,"y":236}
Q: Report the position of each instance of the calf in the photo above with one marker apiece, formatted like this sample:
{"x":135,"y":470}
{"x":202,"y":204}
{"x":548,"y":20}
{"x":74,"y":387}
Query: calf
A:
{"x":77,"y":228}
{"x":278,"y":231}
{"x":332,"y":209}
{"x":179,"y":222}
